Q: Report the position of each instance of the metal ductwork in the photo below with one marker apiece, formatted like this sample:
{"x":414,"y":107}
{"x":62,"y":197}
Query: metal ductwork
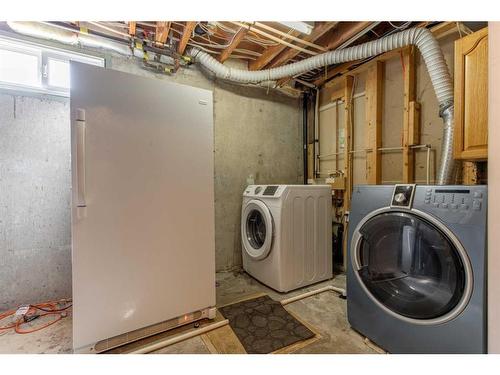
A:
{"x":420,"y":37}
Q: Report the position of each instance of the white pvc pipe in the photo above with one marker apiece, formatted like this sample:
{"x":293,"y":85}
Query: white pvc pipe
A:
{"x":312,"y":293}
{"x":179,"y":338}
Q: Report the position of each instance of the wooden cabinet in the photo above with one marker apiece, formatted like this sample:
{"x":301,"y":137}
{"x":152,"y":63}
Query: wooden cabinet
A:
{"x":471,"y":96}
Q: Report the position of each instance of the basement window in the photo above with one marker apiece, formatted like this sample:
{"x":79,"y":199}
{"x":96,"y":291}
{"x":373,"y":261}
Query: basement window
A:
{"x":25,"y":66}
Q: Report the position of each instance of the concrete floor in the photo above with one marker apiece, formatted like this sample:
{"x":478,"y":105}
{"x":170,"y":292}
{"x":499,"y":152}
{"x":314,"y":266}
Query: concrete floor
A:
{"x":325,"y":312}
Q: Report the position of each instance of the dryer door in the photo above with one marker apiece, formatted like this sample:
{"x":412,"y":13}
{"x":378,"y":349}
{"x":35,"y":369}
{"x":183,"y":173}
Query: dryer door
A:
{"x":412,"y":266}
{"x":257,"y":229}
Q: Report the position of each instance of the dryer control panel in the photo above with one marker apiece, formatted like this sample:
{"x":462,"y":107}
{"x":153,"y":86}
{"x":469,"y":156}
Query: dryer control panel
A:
{"x":456,"y":199}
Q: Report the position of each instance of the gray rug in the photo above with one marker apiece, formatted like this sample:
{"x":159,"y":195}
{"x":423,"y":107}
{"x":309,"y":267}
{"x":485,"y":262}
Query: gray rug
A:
{"x":263,"y":325}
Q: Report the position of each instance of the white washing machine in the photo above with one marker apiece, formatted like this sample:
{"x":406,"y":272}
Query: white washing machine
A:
{"x":287,"y":234}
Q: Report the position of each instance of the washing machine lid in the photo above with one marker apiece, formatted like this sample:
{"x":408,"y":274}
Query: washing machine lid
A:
{"x":412,"y":266}
{"x":257,"y":229}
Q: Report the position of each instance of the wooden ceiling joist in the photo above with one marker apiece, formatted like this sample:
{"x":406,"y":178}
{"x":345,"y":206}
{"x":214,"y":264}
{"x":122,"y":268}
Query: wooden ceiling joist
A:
{"x":339,"y":36}
{"x":346,"y":32}
{"x":131,"y":28}
{"x":162,"y":30}
{"x":238,"y":37}
{"x":317,"y":33}
{"x":274,"y":38}
{"x":186,"y":35}
{"x":289,"y":36}
{"x":269,"y":54}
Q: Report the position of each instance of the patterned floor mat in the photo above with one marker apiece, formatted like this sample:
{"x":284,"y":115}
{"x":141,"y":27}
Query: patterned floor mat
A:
{"x":263,"y":325}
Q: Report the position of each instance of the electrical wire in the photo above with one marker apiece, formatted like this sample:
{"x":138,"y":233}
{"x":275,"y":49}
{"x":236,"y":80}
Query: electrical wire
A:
{"x":57,"y":308}
{"x":254,"y":39}
{"x":400,"y":27}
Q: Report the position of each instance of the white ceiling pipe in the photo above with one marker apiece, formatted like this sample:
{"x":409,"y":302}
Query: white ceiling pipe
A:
{"x":40,"y":30}
{"x":420,"y":37}
{"x":77,"y":39}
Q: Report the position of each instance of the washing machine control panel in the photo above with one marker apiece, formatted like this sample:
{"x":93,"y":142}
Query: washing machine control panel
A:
{"x":264,"y":190}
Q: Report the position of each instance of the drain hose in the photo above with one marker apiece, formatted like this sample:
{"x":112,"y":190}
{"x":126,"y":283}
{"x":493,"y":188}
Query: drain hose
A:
{"x":420,"y":37}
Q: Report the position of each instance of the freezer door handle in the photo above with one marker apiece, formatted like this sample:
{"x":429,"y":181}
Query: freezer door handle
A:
{"x":80,"y":163}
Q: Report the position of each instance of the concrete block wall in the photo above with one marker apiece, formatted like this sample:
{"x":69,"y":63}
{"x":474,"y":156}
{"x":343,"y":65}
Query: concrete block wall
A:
{"x":256,"y":133}
{"x":35,"y":182}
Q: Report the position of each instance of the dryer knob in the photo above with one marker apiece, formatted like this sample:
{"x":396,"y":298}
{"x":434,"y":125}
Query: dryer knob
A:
{"x":400,"y":198}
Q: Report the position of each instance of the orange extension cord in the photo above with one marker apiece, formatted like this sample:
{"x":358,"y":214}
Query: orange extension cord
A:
{"x":46,"y":308}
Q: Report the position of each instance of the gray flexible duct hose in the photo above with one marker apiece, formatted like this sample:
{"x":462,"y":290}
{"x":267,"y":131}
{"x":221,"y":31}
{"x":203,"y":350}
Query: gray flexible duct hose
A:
{"x":420,"y":37}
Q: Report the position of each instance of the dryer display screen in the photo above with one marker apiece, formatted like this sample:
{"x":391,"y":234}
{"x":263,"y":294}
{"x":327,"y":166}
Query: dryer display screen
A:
{"x":270,"y":190}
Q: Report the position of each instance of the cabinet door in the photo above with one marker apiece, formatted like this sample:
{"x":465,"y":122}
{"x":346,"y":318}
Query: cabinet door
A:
{"x":471,"y":96}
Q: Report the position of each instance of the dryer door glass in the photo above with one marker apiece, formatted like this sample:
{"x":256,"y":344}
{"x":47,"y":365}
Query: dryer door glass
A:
{"x":256,"y":229}
{"x":410,"y":266}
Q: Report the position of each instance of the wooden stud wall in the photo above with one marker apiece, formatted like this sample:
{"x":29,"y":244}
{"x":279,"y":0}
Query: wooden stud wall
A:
{"x":411,"y":127}
{"x":348,"y":125}
{"x":348,"y":85}
{"x":374,"y":107}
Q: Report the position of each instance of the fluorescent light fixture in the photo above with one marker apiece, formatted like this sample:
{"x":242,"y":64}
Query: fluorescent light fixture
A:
{"x":300,"y":26}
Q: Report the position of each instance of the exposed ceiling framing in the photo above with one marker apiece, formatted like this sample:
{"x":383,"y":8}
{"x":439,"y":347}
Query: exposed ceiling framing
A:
{"x":261,"y":44}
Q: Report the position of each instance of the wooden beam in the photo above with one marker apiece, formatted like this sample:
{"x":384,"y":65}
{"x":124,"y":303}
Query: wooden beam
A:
{"x":443,"y":28}
{"x":274,"y":38}
{"x":374,"y":107}
{"x":269,"y":54}
{"x":131,"y":27}
{"x":303,"y":41}
{"x":162,"y":30}
{"x":335,"y":71}
{"x":188,"y":30}
{"x":470,"y":174}
{"x":317,"y":33}
{"x":345,"y":32}
{"x":340,"y":36}
{"x":348,"y":119}
{"x":238,"y":37}
{"x":410,"y":128}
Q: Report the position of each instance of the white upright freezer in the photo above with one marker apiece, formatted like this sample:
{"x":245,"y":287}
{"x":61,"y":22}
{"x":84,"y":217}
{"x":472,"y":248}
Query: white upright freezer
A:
{"x":143,"y":248}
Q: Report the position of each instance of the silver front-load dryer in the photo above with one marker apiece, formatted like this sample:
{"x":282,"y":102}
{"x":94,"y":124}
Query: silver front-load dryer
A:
{"x":416,"y":278}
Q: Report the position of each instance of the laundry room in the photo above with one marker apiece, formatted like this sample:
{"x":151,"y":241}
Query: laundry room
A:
{"x":230,"y":186}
